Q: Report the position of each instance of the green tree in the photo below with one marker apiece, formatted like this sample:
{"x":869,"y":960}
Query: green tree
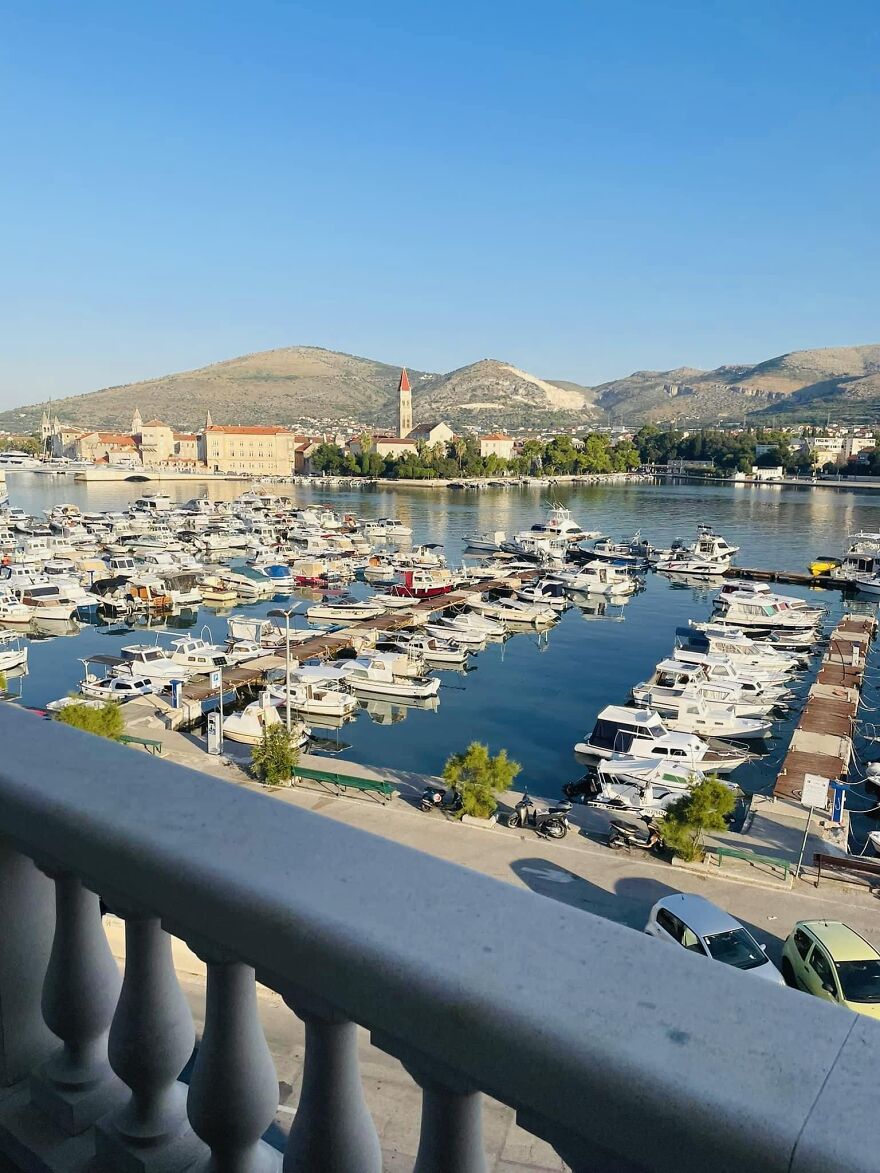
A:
{"x":706,"y":807}
{"x":273,"y":759}
{"x":327,"y":458}
{"x":105,"y":721}
{"x":478,"y":777}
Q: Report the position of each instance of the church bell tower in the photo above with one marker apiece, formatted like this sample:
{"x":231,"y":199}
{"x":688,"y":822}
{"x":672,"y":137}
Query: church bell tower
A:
{"x":404,"y":392}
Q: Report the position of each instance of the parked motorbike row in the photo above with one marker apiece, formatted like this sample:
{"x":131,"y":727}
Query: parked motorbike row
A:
{"x":551,"y":822}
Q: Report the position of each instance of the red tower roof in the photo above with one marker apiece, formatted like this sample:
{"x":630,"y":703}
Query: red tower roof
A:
{"x":403,"y":385}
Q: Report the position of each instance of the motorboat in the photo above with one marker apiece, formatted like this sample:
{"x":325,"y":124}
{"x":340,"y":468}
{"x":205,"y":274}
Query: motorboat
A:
{"x":866,"y":584}
{"x":739,"y":648}
{"x":600,"y":578}
{"x":367,"y":675}
{"x":677,"y":674}
{"x":690,"y":565}
{"x":673,"y":684}
{"x":536,"y":546}
{"x":343,"y":611}
{"x":13,"y":613}
{"x":424,"y":583}
{"x":511,"y":610}
{"x":151,"y":662}
{"x":404,"y":663}
{"x":759,"y":591}
{"x":560,"y":523}
{"x":13,"y":458}
{"x":631,"y":551}
{"x":13,"y":653}
{"x":248,"y":726}
{"x":645,"y":787}
{"x":215,"y":590}
{"x":724,"y":668}
{"x":313,"y":700}
{"x":447,"y":629}
{"x":442,"y":652}
{"x":115,"y":688}
{"x":765,"y":614}
{"x":197,"y":655}
{"x":861,"y":560}
{"x":694,"y":714}
{"x":472,"y":621}
{"x":546,"y":592}
{"x":266,"y":632}
{"x":486,"y":543}
{"x":642,"y":733}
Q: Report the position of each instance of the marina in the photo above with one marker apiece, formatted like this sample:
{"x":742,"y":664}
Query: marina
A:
{"x":508,"y":623}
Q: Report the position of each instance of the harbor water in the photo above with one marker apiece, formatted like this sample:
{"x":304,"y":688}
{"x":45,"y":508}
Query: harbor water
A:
{"x":536,"y":694}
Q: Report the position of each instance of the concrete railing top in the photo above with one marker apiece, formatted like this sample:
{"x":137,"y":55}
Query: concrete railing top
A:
{"x":650,"y":1057}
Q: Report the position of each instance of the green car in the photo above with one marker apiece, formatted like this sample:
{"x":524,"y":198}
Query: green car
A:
{"x":829,"y":959}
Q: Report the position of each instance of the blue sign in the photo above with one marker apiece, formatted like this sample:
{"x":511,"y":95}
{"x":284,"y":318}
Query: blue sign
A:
{"x":216,"y":678}
{"x":176,"y":693}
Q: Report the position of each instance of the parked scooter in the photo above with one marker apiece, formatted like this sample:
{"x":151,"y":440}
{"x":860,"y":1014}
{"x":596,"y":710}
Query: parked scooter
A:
{"x":552,"y":822}
{"x":625,"y":835}
{"x":440,"y":799}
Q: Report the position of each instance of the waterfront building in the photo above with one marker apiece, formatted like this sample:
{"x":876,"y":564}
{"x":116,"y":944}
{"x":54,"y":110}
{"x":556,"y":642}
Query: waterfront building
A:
{"x":436,"y":433}
{"x":497,"y":444}
{"x":263,"y":451}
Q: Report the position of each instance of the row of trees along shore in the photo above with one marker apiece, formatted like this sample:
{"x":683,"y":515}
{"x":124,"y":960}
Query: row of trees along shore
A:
{"x":595,"y":452}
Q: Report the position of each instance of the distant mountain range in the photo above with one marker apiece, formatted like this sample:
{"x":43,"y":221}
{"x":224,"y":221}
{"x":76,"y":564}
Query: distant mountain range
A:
{"x":308,"y":386}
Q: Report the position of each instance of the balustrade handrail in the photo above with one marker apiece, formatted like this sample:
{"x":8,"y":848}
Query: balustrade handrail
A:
{"x":648,"y":1057}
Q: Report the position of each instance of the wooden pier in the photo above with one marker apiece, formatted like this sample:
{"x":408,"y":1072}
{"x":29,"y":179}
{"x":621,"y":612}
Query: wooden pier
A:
{"x":791,"y":577}
{"x":822,"y":742}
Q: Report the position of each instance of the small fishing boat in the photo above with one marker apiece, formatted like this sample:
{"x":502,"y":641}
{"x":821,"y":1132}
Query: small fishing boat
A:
{"x":247,"y":727}
{"x":343,"y":611}
{"x":115,"y":688}
{"x":367,"y":676}
{"x":13,"y":653}
{"x":312,"y":700}
{"x":424,"y":583}
{"x":215,"y":590}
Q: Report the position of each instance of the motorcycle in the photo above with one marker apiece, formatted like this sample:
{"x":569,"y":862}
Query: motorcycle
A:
{"x":551,"y":822}
{"x":625,"y":835}
{"x":440,"y":799}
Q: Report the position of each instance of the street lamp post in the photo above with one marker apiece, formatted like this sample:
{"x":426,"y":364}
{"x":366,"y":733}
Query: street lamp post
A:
{"x":279,"y":613}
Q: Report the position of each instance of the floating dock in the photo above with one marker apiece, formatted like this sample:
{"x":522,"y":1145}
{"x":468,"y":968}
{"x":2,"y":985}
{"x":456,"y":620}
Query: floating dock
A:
{"x":822,"y":742}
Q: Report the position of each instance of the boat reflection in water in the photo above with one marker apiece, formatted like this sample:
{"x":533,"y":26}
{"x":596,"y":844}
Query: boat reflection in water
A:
{"x":596,"y":607}
{"x":389,"y":712}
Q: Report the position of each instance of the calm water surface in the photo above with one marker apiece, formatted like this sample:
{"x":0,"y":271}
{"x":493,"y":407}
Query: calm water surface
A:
{"x":535,"y":695}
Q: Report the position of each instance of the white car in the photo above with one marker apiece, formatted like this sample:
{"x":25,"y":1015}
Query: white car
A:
{"x":703,"y":928}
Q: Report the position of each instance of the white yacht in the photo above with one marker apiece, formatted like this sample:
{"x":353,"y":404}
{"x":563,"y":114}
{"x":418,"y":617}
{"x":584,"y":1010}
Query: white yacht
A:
{"x":12,"y":458}
{"x":115,"y":688}
{"x":599,"y":578}
{"x":674,"y":685}
{"x":641,"y":733}
{"x":197,"y":654}
{"x":514,"y":611}
{"x":644,"y":787}
{"x":765,"y":614}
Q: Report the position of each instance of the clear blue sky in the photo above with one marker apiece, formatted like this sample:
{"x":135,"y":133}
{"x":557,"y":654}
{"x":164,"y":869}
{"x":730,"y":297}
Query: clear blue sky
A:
{"x":581,"y":188}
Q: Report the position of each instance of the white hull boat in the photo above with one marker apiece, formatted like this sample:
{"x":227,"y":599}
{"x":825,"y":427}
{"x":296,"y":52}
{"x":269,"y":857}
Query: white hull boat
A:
{"x":247,"y":727}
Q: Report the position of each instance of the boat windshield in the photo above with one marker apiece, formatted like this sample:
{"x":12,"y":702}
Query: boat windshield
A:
{"x":736,"y":947}
{"x":859,"y":980}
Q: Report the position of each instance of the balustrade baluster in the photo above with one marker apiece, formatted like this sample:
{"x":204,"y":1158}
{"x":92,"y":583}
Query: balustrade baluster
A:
{"x":151,"y":1039}
{"x":234,"y":1088}
{"x":76,"y":1086}
{"x":27,"y":923}
{"x":451,"y":1134}
{"x":332,"y":1131}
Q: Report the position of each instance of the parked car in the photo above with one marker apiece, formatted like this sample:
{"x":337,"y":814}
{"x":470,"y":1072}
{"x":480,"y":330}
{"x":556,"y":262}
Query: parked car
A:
{"x":707,"y":930}
{"x":830,"y":960}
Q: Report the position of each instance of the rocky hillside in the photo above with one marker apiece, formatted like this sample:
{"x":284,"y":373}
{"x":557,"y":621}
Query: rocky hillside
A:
{"x":491,"y":393}
{"x":288,"y":386}
{"x":307,"y":386}
{"x":805,"y":384}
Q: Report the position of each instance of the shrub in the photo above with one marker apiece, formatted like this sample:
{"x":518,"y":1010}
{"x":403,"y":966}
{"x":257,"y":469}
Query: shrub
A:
{"x":105,"y":721}
{"x":274,"y":758}
{"x":705,"y":807}
{"x":478,"y":777}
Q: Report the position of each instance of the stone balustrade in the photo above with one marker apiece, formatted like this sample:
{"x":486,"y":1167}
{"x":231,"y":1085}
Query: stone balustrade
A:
{"x":624,"y":1054}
